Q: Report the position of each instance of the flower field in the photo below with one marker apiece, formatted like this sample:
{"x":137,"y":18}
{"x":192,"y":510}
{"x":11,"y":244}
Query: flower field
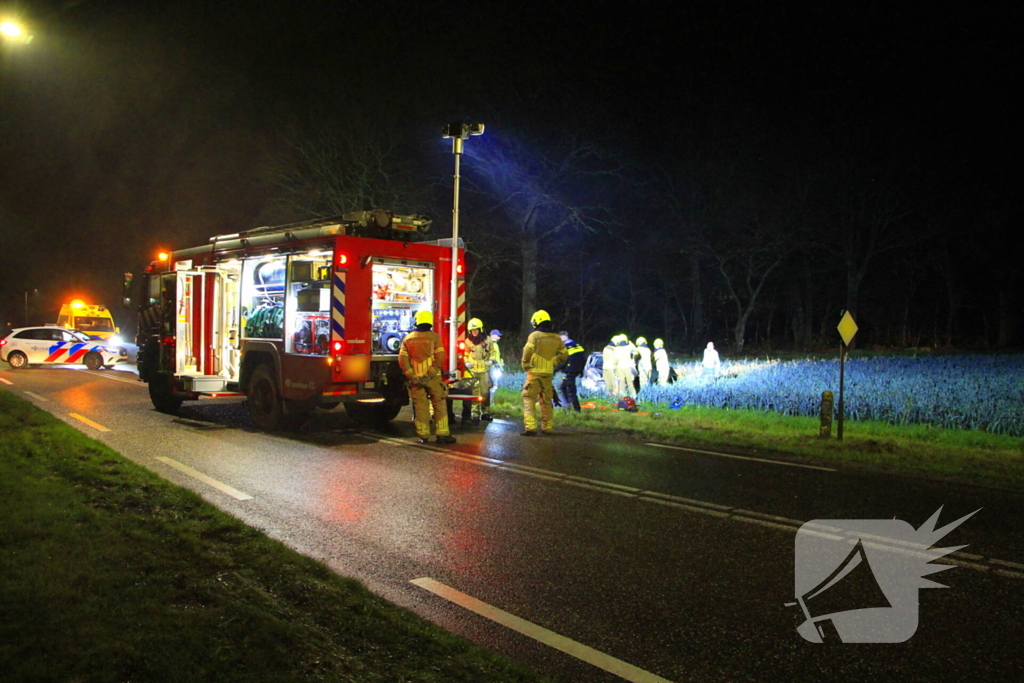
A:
{"x":980,"y":392}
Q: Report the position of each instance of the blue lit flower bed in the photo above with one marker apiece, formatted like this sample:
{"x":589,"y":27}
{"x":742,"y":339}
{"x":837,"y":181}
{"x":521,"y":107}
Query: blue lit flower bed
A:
{"x":958,"y":392}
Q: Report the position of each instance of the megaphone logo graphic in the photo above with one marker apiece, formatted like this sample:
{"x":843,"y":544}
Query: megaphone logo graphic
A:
{"x":857,"y":579}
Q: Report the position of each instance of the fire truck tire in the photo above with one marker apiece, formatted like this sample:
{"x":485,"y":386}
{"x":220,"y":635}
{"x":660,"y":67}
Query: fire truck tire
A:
{"x":162,"y":395}
{"x":266,"y":409}
{"x":17,"y":360}
{"x":93,"y":360}
{"x":372,"y":413}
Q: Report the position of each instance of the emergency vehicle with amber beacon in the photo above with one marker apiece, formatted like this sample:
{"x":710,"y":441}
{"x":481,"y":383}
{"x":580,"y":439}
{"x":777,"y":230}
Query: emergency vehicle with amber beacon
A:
{"x":296,"y":317}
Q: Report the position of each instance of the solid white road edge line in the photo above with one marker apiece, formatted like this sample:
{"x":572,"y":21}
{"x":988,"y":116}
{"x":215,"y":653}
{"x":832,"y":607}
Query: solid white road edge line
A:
{"x":36,"y":396}
{"x":95,"y":425}
{"x":741,"y":457}
{"x":540,"y":634}
{"x":196,"y":474}
{"x":689,"y":504}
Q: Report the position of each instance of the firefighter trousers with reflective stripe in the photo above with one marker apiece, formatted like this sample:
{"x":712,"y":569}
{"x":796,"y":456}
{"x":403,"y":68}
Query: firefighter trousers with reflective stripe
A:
{"x":483,"y":390}
{"x":538,"y":387}
{"x":426,"y":398}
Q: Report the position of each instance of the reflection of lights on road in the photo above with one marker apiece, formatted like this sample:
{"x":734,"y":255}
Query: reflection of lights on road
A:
{"x":81,"y":398}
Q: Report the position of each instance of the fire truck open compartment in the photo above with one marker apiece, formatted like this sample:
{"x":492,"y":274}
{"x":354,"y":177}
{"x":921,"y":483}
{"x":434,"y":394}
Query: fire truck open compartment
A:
{"x":400,"y":290}
{"x":206,"y":319}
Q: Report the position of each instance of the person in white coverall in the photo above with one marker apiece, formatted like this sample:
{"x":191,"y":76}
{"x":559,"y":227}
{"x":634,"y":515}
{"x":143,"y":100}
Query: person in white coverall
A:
{"x":643,"y":363}
{"x":711,"y":361}
{"x":625,"y":367}
{"x":661,"y":363}
{"x":608,"y":366}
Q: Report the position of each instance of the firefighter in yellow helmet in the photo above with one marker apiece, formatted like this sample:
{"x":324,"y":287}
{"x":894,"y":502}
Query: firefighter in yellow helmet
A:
{"x":643,"y":362}
{"x":625,"y":367}
{"x":609,"y":365}
{"x":478,"y":358}
{"x":544,"y":350}
{"x":661,"y":363}
{"x":421,"y":358}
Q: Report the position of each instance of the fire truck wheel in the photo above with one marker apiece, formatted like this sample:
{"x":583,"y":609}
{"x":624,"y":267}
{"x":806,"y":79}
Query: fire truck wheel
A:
{"x":93,"y":360}
{"x":372,"y":413}
{"x":161,"y":393}
{"x":17,"y":360}
{"x":265,"y":407}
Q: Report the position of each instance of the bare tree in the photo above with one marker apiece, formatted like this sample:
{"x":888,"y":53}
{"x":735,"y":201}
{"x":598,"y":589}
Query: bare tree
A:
{"x":325,"y":167}
{"x":543,"y":187}
{"x":746,"y":257}
{"x":869,"y":212}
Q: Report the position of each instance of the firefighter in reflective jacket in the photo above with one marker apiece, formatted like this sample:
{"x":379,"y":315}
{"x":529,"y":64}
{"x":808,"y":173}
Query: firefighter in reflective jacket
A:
{"x":661,"y":363}
{"x":421,"y":358}
{"x":609,"y":365}
{"x":478,"y":358}
{"x":573,"y":368}
{"x":543,"y":352}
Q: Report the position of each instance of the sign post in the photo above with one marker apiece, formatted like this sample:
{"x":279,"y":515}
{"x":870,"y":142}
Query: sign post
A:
{"x":847,"y":329}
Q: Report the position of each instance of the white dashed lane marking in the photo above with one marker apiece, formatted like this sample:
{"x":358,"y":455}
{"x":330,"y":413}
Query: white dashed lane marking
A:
{"x":622,"y":669}
{"x":210,"y":481}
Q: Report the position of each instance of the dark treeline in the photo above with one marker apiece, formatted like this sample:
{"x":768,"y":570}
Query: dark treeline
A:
{"x":756,"y":234}
{"x":741,"y":178}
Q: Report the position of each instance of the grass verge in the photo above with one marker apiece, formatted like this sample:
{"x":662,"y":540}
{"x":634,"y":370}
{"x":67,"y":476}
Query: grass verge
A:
{"x":109,"y":573}
{"x":919,"y":450}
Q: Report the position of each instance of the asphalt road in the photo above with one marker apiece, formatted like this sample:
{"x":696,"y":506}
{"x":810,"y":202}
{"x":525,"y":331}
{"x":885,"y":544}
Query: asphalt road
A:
{"x":653,"y":562}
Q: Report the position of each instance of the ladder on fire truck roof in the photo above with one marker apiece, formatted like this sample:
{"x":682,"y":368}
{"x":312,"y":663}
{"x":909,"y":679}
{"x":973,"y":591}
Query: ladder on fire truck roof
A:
{"x":378,"y":218}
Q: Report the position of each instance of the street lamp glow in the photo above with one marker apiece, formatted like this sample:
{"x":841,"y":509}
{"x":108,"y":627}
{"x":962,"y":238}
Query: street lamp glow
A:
{"x":9,"y":28}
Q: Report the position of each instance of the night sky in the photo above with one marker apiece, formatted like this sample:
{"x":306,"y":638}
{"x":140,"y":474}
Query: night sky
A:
{"x":128,"y":126}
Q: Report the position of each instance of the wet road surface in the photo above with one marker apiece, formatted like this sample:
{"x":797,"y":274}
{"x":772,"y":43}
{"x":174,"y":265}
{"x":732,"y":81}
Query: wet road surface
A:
{"x":674,"y":563}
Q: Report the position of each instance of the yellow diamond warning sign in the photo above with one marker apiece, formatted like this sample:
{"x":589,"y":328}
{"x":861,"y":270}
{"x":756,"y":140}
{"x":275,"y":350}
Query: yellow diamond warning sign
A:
{"x":847,"y":328}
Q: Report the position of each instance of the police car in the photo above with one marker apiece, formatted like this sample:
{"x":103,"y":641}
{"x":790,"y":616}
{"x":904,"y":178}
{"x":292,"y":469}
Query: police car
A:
{"x":56,"y":346}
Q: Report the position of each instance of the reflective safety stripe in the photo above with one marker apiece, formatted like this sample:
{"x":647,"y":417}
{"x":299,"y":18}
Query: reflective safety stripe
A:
{"x":75,"y":355}
{"x":74,"y":351}
{"x":460,"y":305}
{"x":56,"y":351}
{"x":542,"y":364}
{"x":338,"y":306}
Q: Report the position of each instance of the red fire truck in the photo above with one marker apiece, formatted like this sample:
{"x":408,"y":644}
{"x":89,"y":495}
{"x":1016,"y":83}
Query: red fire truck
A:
{"x":295,"y":317}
